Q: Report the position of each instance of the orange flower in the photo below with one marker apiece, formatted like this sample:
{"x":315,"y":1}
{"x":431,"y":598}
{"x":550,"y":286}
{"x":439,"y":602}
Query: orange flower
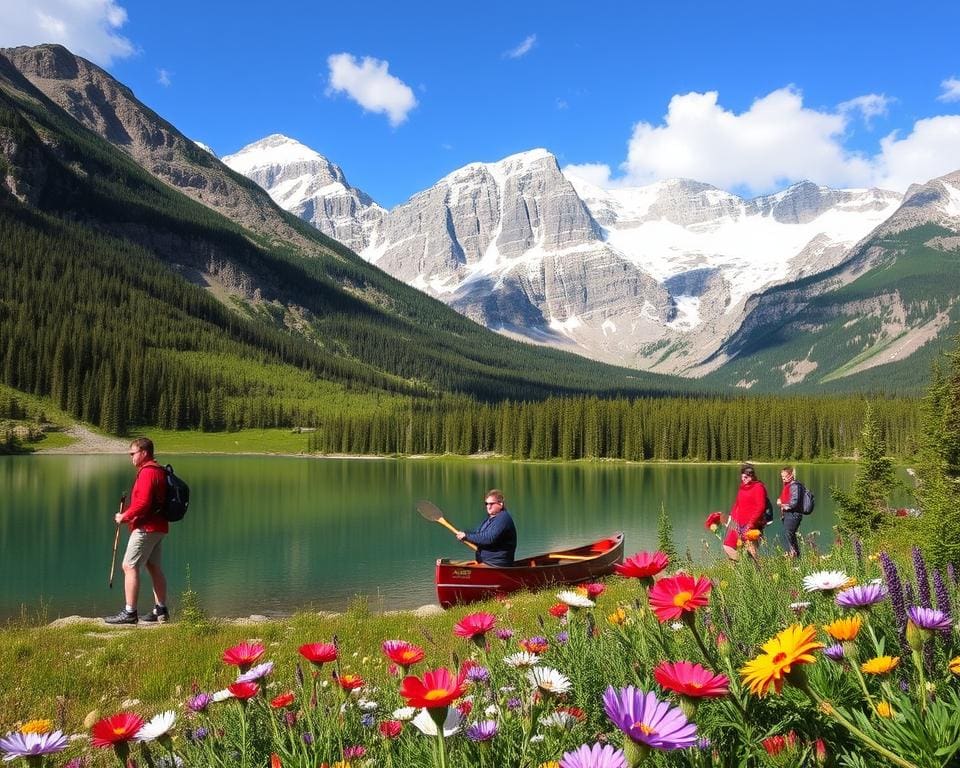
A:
{"x":955,"y":665}
{"x":751,"y":535}
{"x":845,"y":629}
{"x":559,"y":610}
{"x":349,"y":682}
{"x":438,"y":688}
{"x":884,"y":709}
{"x":281,"y":701}
{"x":789,"y":648}
{"x":879,"y":665}
{"x":402,"y":653}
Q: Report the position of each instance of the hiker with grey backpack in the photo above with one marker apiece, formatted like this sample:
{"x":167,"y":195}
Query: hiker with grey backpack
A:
{"x":795,"y":501}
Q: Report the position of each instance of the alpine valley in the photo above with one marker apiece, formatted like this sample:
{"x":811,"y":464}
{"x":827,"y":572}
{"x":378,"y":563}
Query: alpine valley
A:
{"x":811,"y":286}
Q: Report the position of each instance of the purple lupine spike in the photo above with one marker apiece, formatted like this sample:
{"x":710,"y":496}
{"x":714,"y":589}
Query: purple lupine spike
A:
{"x":940,"y":590}
{"x":923,"y":580}
{"x":895,"y":587}
{"x":858,"y":552}
{"x":908,"y":594}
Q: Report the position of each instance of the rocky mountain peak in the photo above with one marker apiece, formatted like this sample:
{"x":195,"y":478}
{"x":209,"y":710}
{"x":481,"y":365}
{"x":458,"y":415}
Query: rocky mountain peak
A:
{"x":51,"y":62}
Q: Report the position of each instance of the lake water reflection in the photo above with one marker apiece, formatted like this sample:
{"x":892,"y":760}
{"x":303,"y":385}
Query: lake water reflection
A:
{"x":271,"y":535}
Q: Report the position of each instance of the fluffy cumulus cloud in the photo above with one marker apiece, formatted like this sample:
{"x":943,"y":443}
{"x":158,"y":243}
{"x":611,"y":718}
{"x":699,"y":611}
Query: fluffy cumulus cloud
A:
{"x":369,"y":83}
{"x":951,"y":89}
{"x":777,"y":141}
{"x":90,"y":28}
{"x":523,"y":49}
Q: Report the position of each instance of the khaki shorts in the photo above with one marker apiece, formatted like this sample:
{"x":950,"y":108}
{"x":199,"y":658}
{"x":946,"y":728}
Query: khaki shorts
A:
{"x":143,"y":547}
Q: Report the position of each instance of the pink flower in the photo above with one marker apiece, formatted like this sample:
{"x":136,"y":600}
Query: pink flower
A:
{"x":691,"y":680}
{"x":643,"y":565}
{"x":673,"y":597}
{"x":475,"y":625}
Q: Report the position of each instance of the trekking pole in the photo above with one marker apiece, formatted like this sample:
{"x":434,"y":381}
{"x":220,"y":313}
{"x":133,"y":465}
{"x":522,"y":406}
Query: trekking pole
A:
{"x":116,"y":541}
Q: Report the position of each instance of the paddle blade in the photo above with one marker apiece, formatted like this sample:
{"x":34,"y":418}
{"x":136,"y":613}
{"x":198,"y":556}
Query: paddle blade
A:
{"x":429,"y":511}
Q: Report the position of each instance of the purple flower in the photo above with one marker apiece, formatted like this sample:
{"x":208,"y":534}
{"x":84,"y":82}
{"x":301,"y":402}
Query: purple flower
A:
{"x":76,"y":762}
{"x":858,"y":551}
{"x":952,"y":572}
{"x":923,"y":582}
{"x":482,"y":731}
{"x":199,"y":702}
{"x":834,"y":652}
{"x":596,"y":756}
{"x":895,"y":587}
{"x":27,"y":745}
{"x":861,"y":596}
{"x":513,"y":704}
{"x":308,"y":738}
{"x":703,"y":743}
{"x":647,"y":720}
{"x":198,"y":735}
{"x":503,"y":634}
{"x":255,"y":673}
{"x":367,"y":720}
{"x":928,"y":618}
{"x":478,"y":674}
{"x":940,"y":590}
{"x":562,"y":638}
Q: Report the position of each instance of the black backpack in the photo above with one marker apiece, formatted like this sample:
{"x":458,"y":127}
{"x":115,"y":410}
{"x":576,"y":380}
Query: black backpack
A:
{"x":178,"y":497}
{"x":806,"y":498}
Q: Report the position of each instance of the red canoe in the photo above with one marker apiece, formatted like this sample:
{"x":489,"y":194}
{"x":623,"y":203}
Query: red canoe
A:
{"x":465,"y":581}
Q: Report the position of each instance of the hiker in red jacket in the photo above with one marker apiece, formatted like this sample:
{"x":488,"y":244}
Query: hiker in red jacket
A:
{"x":147,"y":529}
{"x":746,"y":515}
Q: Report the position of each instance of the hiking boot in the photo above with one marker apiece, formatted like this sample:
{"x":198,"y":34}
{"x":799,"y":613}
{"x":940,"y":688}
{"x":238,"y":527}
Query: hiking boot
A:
{"x":124,"y":617}
{"x":158,"y":614}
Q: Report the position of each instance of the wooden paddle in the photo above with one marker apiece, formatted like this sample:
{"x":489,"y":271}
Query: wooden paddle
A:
{"x":116,"y":541}
{"x":556,"y":556}
{"x":430,"y":511}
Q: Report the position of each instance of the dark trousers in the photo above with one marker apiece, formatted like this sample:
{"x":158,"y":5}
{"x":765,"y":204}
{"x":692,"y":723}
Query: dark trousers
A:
{"x":791,"y":524}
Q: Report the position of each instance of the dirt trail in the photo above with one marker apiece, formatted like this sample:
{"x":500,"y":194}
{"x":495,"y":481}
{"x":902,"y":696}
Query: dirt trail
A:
{"x":89,"y":442}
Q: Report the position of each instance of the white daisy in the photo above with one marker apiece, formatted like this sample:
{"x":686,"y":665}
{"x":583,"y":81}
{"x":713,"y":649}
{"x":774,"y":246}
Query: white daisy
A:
{"x":825,"y":581}
{"x":427,"y":727}
{"x":563,"y":720}
{"x":537,"y":739}
{"x":492,"y":710}
{"x":521,"y":660}
{"x":222,"y":695}
{"x":159,"y":726}
{"x":368,"y":706}
{"x":799,"y":606}
{"x":677,"y":626}
{"x":404,"y":714}
{"x":575,"y":599}
{"x":549,"y":680}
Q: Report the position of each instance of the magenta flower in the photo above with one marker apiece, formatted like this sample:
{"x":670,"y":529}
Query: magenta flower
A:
{"x":596,"y":756}
{"x":475,"y":625}
{"x":928,"y":618}
{"x":31,"y":745}
{"x":647,"y":720}
{"x":199,"y":702}
{"x":834,"y":652}
{"x":861,"y":596}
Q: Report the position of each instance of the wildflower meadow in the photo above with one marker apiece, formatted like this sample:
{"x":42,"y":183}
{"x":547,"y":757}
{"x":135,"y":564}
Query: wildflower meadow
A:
{"x":848,"y":659}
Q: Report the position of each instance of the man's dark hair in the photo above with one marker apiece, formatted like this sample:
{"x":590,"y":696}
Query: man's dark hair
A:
{"x":144,"y":444}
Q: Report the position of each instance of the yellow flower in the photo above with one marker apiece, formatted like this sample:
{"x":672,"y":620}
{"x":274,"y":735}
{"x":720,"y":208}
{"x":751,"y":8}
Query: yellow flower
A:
{"x":36,"y":726}
{"x":844,"y":629}
{"x":880,"y":665}
{"x":550,"y":764}
{"x":955,"y":665}
{"x":790,"y":647}
{"x":724,"y":583}
{"x":884,"y":709}
{"x":618,"y":617}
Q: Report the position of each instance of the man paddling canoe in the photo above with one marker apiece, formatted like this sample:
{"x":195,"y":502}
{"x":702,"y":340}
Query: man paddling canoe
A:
{"x":496,"y":536}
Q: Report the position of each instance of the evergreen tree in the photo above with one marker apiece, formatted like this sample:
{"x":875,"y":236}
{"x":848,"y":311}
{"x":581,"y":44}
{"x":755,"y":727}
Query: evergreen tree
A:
{"x":665,"y":535}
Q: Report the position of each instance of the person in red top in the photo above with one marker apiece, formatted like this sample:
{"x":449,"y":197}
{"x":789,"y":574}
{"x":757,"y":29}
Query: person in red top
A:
{"x":746,"y":515}
{"x":147,"y":529}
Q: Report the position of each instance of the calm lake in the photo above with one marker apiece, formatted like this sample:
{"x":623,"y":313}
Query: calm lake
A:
{"x":272,"y":535}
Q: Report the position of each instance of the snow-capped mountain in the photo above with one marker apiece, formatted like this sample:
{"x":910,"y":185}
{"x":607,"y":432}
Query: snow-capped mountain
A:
{"x":653,"y":277}
{"x":305,"y":183}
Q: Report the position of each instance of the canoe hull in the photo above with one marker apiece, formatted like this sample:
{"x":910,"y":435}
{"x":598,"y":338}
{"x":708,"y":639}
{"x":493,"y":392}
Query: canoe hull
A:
{"x":461,"y":581}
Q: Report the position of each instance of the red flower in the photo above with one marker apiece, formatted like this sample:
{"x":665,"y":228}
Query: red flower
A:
{"x":349,"y":682}
{"x":672,"y":597}
{"x":691,"y":680}
{"x":713,"y":521}
{"x":594,"y":590}
{"x":116,"y":729}
{"x":281,"y":701}
{"x":403,"y":653}
{"x":244,"y":691}
{"x":438,"y":688}
{"x":275,"y":760}
{"x":559,"y":610}
{"x":474,"y":624}
{"x":390,"y":729}
{"x":465,"y":708}
{"x":774,"y":745}
{"x":243,"y":655}
{"x":319,"y":653}
{"x":643,"y":565}
{"x":576,"y":712}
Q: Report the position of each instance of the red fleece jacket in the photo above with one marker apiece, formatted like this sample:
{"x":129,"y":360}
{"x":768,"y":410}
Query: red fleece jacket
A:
{"x":146,"y":497}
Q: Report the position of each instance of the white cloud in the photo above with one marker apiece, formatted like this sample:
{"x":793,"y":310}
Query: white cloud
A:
{"x":369,"y":83}
{"x":523,"y":49}
{"x":163,"y":77}
{"x":90,"y":28}
{"x":775,"y":142}
{"x":869,"y":106}
{"x":951,"y":90}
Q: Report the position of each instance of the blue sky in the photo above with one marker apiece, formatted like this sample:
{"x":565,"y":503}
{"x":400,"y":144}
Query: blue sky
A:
{"x":747,"y":96}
